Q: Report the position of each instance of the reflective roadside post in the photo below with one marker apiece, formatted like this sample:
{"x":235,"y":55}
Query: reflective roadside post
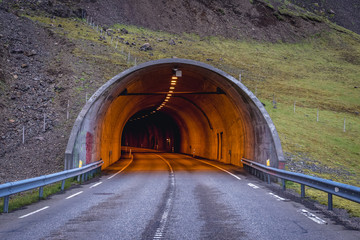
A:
{"x":268,"y":175}
{"x":80,"y":165}
{"x":268,"y":162}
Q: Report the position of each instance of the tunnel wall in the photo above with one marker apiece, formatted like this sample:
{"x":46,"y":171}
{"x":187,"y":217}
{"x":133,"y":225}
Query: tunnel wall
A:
{"x":237,"y":116}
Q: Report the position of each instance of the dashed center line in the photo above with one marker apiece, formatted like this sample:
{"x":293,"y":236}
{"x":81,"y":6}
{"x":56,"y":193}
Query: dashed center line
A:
{"x":277,"y":197}
{"x":312,"y":216}
{"x":34,"y":212}
{"x":253,"y":186}
{"x":71,"y":196}
{"x":171,"y":169}
{"x":159,"y":234}
{"x":96,"y":184}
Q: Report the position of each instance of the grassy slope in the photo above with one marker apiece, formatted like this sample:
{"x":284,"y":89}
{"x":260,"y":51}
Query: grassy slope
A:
{"x":318,"y":73}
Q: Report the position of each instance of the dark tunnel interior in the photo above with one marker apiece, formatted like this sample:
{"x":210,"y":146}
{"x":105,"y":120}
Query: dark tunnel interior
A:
{"x":154,"y":131}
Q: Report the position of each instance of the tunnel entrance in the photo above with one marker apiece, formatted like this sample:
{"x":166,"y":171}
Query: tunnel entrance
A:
{"x":175,"y":105}
{"x":146,"y":129}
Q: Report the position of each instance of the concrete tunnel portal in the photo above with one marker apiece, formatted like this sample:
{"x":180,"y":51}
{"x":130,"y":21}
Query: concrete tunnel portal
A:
{"x":174,"y":105}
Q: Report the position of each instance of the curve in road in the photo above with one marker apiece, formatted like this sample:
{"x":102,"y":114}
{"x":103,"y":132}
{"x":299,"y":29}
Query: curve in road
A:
{"x":170,"y":196}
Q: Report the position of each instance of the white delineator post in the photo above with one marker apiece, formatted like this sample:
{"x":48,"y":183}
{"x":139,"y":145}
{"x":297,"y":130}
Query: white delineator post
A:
{"x":23,"y":135}
{"x":44,"y":126}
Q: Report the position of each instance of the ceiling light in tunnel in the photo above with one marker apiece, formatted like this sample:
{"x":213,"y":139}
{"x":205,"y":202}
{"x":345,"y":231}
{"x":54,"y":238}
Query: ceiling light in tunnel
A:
{"x":169,"y":95}
{"x":166,"y":100}
{"x":174,"y":78}
{"x":178,"y":73}
{"x":171,"y":91}
{"x":173,"y":83}
{"x":172,"y":88}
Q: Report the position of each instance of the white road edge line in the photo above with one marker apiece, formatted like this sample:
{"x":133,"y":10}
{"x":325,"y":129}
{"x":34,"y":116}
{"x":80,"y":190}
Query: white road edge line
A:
{"x":312,"y":216}
{"x":132,"y":158}
{"x":74,"y":195}
{"x":253,"y":186}
{"x":96,"y":184}
{"x":220,"y":169}
{"x":34,"y":212}
{"x":277,"y":197}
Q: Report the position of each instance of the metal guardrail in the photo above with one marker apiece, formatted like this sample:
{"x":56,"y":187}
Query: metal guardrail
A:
{"x":11,"y":188}
{"x":332,"y":188}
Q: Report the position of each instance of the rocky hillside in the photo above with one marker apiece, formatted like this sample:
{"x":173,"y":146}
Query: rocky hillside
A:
{"x":43,"y":69}
{"x":269,"y":20}
{"x":240,"y":19}
{"x":345,"y":12}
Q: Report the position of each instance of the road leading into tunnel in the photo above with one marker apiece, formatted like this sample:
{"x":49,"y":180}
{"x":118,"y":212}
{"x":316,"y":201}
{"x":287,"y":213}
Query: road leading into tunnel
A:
{"x":170,"y":196}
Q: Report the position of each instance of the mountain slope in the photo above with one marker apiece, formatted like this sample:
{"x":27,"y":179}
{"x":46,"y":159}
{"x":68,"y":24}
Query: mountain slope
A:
{"x":344,"y":13}
{"x":48,"y":61}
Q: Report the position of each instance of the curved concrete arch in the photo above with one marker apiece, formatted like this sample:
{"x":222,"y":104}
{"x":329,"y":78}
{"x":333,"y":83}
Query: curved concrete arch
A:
{"x":217,"y":116}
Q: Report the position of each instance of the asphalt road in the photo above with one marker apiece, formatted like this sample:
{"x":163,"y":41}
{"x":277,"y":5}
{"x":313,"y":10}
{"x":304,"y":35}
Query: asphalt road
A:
{"x":170,"y":196}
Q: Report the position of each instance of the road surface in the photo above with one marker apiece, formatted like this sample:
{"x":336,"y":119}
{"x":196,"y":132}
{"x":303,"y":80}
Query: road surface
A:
{"x":170,"y":196}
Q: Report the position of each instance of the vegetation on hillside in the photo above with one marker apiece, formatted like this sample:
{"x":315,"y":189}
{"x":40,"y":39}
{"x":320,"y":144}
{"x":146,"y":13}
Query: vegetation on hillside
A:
{"x":320,"y":74}
{"x":310,"y":88}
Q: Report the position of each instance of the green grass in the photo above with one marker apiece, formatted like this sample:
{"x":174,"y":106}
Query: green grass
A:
{"x":322,"y":198}
{"x":319,"y":72}
{"x":26,"y":198}
{"x":22,"y":199}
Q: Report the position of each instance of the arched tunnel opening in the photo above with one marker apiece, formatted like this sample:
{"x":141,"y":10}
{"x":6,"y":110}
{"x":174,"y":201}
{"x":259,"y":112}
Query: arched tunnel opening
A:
{"x":175,"y":105}
{"x":154,"y":131}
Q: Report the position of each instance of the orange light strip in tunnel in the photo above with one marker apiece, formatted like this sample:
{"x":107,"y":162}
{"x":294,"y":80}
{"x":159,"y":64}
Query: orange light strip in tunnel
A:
{"x":170,"y":92}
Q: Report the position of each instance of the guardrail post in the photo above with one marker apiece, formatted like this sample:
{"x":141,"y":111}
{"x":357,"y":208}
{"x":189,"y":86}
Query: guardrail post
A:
{"x":330,"y":202}
{"x":345,"y":191}
{"x":268,"y":179}
{"x":82,"y":178}
{"x":63,"y":185}
{"x":41,"y":192}
{"x":283,"y":184}
{"x":6,"y":204}
{"x":302,"y":190}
